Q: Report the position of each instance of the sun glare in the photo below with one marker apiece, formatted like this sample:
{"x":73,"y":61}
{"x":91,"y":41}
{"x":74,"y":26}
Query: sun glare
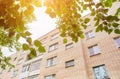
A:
{"x":42,"y":24}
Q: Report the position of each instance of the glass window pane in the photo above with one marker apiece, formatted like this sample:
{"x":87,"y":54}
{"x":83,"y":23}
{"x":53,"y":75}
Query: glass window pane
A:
{"x":91,"y":51}
{"x":96,"y":49}
{"x":100,"y":72}
{"x":35,"y":65}
{"x":70,"y":63}
{"x":54,"y":61}
{"x":70,"y":45}
{"x":91,"y":34}
{"x":117,"y":40}
{"x":48,"y":62}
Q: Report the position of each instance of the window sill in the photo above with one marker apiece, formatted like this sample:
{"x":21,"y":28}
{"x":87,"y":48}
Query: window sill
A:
{"x":95,"y":54}
{"x":69,"y":66}
{"x":52,"y":50}
{"x":50,"y":66}
{"x":68,"y":48}
{"x":90,"y":38}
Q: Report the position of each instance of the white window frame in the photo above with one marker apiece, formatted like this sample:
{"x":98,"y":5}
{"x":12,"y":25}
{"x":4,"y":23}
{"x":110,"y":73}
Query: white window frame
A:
{"x":15,"y":72}
{"x":33,"y":64}
{"x":89,"y":35}
{"x":93,"y":50}
{"x":25,"y":68}
{"x":53,"y":47}
{"x":117,"y":41}
{"x":51,"y":61}
{"x":68,"y":46}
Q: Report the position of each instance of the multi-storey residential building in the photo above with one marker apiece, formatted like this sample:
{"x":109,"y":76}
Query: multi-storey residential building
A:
{"x":95,"y":57}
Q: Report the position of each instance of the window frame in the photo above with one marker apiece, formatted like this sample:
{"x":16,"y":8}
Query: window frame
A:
{"x":25,"y":68}
{"x":73,"y":63}
{"x":31,"y":68}
{"x":49,"y":76}
{"x":89,"y":35}
{"x":116,"y":42}
{"x":51,"y":61}
{"x":92,"y":50}
{"x":53,"y":47}
{"x":99,"y":70}
{"x":69,"y":45}
{"x":14,"y":73}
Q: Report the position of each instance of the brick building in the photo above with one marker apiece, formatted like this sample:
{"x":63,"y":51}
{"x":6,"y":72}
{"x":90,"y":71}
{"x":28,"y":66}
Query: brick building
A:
{"x":95,"y":57}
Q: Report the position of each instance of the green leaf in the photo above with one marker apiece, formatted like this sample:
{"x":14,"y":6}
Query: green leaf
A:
{"x":84,"y":26}
{"x":37,"y":3}
{"x":110,"y":30}
{"x":32,"y":53}
{"x":97,"y":29}
{"x":62,"y":34}
{"x":117,"y":12}
{"x":52,"y":15}
{"x":23,"y":35}
{"x":25,"y":46}
{"x":27,"y":33}
{"x":100,"y":27}
{"x":106,"y":28}
{"x":17,"y":37}
{"x":29,"y":10}
{"x":117,"y":31}
{"x":41,"y":49}
{"x":97,"y":23}
{"x":108,"y":3}
{"x":3,"y":66}
{"x":37,"y":43}
{"x":93,"y":13}
{"x":64,"y":40}
{"x":29,"y":40}
{"x":115,"y":25}
{"x":86,"y":20}
{"x":75,"y":39}
{"x":81,"y":36}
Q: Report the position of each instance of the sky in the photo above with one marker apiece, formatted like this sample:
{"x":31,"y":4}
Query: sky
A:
{"x":42,"y":25}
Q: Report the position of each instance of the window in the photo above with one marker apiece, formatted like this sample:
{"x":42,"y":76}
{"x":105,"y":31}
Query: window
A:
{"x":100,"y":72}
{"x":117,"y":40}
{"x":33,"y":77}
{"x":51,"y":61}
{"x":20,"y":61}
{"x":89,"y":34}
{"x":50,"y":76}
{"x":54,"y":36}
{"x":35,"y":65}
{"x":53,"y":47}
{"x":68,"y":46}
{"x":25,"y":68}
{"x":94,"y":50}
{"x":14,"y":74}
{"x":69,"y":63}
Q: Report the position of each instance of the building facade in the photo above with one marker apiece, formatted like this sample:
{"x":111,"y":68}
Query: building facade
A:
{"x":95,"y":57}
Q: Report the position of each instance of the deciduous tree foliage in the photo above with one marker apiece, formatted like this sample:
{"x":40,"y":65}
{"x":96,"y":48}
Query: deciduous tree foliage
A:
{"x":15,"y":14}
